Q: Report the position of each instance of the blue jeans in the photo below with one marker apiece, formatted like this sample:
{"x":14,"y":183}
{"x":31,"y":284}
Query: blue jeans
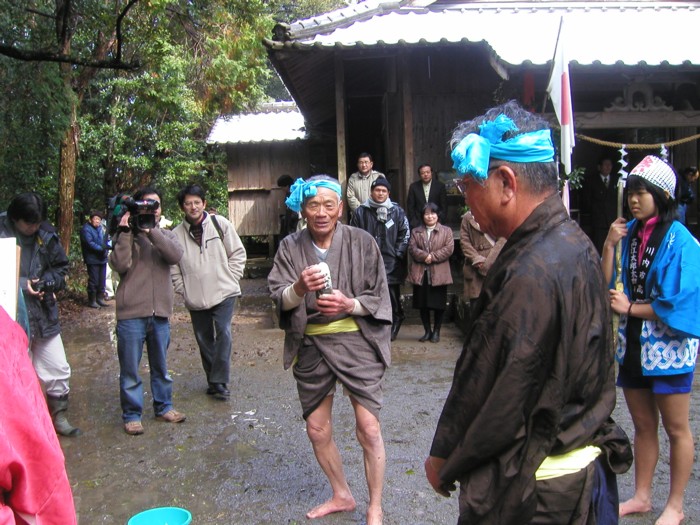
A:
{"x":131,"y":335}
{"x":212,"y":330}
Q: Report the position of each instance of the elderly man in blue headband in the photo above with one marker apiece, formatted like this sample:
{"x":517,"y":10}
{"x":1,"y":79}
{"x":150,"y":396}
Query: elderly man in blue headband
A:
{"x":330,"y":287}
{"x":526,"y":428}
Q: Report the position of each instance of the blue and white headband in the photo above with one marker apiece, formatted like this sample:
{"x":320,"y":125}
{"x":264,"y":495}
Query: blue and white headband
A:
{"x":471,"y":156}
{"x":302,"y":190}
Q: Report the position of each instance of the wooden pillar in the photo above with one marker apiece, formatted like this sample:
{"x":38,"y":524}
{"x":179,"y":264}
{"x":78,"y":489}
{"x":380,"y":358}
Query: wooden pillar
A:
{"x":685,"y":155}
{"x":271,"y":248}
{"x":408,"y":163}
{"x":340,"y":130}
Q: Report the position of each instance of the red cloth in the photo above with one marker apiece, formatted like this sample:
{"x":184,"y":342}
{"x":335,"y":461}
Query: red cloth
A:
{"x":34,"y":486}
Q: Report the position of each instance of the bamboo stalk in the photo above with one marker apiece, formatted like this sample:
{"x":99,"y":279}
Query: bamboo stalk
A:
{"x":618,"y":260}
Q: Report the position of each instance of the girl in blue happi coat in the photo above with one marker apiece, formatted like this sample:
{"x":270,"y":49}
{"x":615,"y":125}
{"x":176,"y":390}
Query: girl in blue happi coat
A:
{"x":659,"y":330}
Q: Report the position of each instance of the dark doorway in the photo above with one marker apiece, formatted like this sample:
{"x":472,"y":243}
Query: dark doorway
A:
{"x":364,"y":128}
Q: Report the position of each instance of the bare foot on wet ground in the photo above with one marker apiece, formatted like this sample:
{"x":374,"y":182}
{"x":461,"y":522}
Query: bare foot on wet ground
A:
{"x":335,"y":504}
{"x":634,"y":506}
{"x":374,"y":515}
{"x":670,"y":517}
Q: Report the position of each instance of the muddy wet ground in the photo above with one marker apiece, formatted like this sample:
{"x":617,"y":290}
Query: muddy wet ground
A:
{"x":248,"y":461}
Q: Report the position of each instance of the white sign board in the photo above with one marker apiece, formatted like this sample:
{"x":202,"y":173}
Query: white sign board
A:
{"x":8,"y":276}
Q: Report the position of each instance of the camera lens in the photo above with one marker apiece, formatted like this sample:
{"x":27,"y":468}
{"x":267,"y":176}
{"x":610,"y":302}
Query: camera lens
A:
{"x":145,"y":221}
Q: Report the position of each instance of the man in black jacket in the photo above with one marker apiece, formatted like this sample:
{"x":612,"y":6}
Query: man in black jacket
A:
{"x":599,"y":202}
{"x":526,"y":428}
{"x":427,"y":189}
{"x":387,"y":223}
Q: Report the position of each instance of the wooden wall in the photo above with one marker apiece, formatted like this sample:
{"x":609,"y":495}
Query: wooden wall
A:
{"x":449,"y":85}
{"x":255,"y":201}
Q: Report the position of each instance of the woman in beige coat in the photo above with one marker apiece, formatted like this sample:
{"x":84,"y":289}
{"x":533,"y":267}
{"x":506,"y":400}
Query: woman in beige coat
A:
{"x":430,"y":246}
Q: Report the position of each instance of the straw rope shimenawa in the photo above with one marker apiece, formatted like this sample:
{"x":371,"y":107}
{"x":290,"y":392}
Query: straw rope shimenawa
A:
{"x":619,"y":145}
{"x":638,"y":146}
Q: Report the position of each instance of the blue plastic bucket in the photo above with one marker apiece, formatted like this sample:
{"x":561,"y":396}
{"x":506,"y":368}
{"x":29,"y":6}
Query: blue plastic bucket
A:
{"x":162,"y":516}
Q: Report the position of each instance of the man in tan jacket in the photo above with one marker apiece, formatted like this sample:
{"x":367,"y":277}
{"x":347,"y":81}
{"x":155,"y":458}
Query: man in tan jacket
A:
{"x":208,"y":276}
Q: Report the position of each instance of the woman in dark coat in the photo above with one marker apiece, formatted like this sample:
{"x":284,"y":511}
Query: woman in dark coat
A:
{"x":430,"y":246}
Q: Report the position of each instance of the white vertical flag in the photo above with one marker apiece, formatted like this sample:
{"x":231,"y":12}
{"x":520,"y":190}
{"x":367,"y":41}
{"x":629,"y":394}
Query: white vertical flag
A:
{"x":559,"y":90}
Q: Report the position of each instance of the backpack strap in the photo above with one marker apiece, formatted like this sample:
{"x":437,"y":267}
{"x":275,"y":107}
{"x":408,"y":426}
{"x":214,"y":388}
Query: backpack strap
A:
{"x":217,"y":226}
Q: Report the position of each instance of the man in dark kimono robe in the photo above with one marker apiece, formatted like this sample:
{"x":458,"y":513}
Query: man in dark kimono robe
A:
{"x":335,"y":331}
{"x":526,"y":427}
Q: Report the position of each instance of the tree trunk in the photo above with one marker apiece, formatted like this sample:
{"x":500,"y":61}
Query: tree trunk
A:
{"x":66,"y":179}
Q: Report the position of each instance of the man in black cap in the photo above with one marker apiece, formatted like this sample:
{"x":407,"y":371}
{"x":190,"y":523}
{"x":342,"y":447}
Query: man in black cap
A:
{"x":93,"y":242}
{"x":387,"y":223}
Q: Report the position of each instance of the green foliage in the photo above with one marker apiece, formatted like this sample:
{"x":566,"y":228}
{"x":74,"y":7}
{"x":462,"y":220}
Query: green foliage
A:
{"x":288,"y":11}
{"x":136,"y":128}
{"x":32,"y":119}
{"x":142,"y":130}
{"x":237,"y":64}
{"x":197,"y":60}
{"x":575,"y":178}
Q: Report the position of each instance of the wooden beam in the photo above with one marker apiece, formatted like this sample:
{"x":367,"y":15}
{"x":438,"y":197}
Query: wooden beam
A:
{"x":635,"y":119}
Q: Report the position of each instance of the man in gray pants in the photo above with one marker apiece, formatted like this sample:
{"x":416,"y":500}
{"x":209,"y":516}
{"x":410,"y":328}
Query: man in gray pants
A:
{"x":208,"y":276}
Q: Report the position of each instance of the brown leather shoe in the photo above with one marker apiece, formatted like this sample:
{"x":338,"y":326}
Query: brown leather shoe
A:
{"x":133,"y":428}
{"x":171,"y":416}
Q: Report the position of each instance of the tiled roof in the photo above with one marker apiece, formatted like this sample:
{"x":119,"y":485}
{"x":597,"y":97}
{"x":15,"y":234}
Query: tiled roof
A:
{"x":652,"y":33}
{"x":275,"y":122}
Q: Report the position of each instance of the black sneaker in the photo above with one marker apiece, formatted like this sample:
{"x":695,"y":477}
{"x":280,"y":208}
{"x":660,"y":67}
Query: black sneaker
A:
{"x":219,"y":391}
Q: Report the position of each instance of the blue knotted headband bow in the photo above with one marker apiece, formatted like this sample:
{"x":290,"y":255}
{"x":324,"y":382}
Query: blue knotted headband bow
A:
{"x":471,"y":156}
{"x":302,"y":190}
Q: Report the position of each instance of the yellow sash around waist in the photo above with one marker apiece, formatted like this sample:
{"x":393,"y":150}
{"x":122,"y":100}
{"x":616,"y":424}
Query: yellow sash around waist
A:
{"x":569,"y":463}
{"x":347,"y":324}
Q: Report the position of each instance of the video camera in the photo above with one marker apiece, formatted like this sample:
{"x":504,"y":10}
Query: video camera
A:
{"x":143,"y":213}
{"x":48,"y":287}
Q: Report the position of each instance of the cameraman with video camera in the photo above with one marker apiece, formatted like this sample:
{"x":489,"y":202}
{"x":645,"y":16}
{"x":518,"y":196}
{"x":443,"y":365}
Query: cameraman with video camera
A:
{"x":142,"y":256}
{"x":42,"y":271}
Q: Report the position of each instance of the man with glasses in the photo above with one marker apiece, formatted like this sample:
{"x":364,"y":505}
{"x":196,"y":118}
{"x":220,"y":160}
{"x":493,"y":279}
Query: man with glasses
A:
{"x":360,"y":182}
{"x":526,"y":428}
{"x":209,"y":275}
{"x":330,"y":287}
